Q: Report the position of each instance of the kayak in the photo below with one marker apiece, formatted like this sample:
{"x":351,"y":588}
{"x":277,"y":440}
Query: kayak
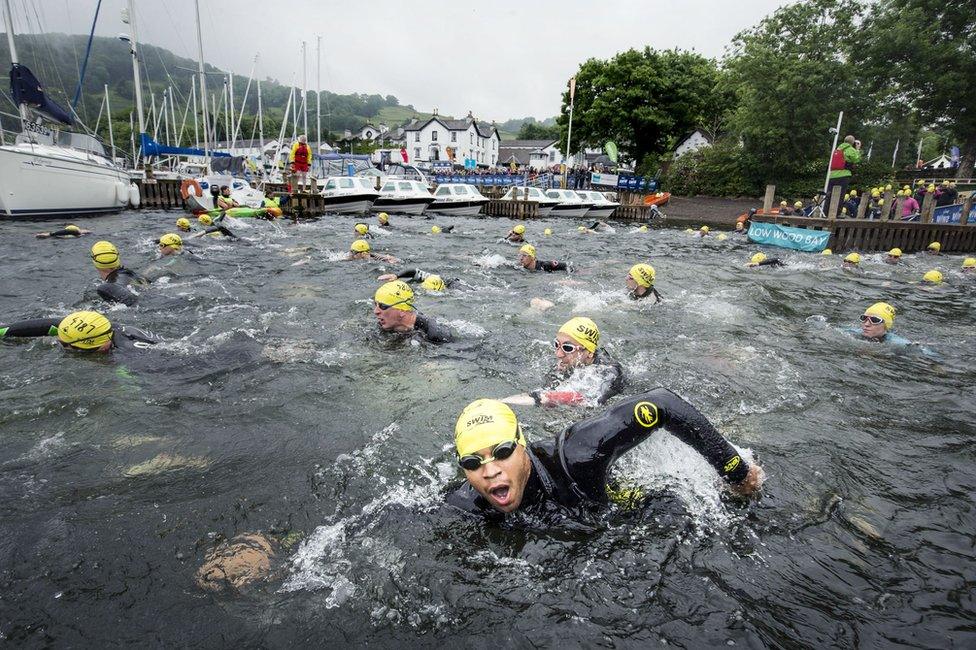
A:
{"x":661,"y":198}
{"x":244,"y":213}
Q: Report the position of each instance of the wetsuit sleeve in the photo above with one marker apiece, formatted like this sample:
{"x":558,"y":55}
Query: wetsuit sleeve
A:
{"x":592,"y":446}
{"x":32,"y":327}
{"x":434,"y":331}
{"x":775,"y":261}
{"x":413,"y":274}
{"x":62,"y":233}
{"x":112,"y":292}
{"x":467,"y":499}
{"x":551,"y":266}
{"x":139,"y":335}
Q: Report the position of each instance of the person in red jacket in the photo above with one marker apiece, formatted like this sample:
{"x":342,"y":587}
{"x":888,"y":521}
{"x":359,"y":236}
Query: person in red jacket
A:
{"x":301,"y":161}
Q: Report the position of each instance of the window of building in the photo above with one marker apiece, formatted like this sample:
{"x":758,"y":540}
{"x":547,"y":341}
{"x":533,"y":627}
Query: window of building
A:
{"x":416,"y":153}
{"x":433,"y":136}
{"x":453,"y":136}
{"x":416,"y":136}
{"x":471,"y":137}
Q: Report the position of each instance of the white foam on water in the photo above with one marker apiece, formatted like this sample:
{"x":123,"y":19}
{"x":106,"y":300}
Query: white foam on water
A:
{"x":491,"y":261}
{"x":303,"y":352}
{"x":335,"y":256}
{"x":586,"y":301}
{"x":465,"y":327}
{"x":714,"y":308}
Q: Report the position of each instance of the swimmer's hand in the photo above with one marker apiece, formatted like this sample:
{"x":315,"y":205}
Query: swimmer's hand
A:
{"x":752,"y":483}
{"x":386,"y":277}
{"x":519,"y":400}
{"x":389,"y":259}
{"x":540,"y":303}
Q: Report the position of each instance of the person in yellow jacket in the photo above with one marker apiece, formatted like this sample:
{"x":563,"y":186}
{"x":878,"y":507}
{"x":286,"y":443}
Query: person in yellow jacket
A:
{"x":301,"y":160}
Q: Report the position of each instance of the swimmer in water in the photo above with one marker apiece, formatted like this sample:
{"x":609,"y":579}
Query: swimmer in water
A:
{"x":894,"y":256}
{"x":969,"y":265}
{"x":640,"y":282}
{"x":426,"y":279}
{"x":505,"y":473}
{"x":436,"y":230}
{"x":935,"y":248}
{"x":583,"y":375}
{"x":528,"y":261}
{"x":740,"y":228}
{"x":703,"y":231}
{"x":86,"y":331}
{"x":362,"y":230}
{"x":360,"y":250}
{"x":384,"y":219}
{"x":183,"y":225}
{"x":760,"y":259}
{"x":933,"y":277}
{"x":115,"y":277}
{"x":876,"y":324}
{"x":852,"y":262}
{"x":394,"y":311}
{"x":214,"y":230}
{"x":516,"y":235}
{"x":170,"y":244}
{"x":596,"y":226}
{"x":68,"y":232}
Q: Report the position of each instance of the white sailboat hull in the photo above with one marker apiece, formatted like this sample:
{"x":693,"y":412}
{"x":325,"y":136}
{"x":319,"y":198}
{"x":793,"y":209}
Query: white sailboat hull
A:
{"x":40,"y":181}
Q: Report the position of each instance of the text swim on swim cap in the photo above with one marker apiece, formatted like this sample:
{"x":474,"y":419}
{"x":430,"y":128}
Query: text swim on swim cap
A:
{"x":479,"y":419}
{"x":588,"y":332}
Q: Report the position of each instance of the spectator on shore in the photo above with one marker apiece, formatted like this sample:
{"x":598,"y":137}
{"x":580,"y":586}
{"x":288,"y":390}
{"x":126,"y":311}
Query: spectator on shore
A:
{"x":842,"y":162}
{"x":947,"y":194}
{"x":784,"y":209}
{"x":798,"y":209}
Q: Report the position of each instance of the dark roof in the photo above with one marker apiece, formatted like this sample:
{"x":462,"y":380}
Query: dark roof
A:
{"x":527,"y":144}
{"x":483,"y":129}
{"x":506,"y":154}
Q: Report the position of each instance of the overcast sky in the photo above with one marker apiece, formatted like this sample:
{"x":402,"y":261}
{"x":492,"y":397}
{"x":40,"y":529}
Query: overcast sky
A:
{"x":500,"y":59}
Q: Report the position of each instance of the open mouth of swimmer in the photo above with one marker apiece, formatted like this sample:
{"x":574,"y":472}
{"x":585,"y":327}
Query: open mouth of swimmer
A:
{"x":500,"y":493}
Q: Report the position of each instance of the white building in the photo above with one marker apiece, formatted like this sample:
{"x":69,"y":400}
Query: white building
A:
{"x":455,"y":140}
{"x":693,"y":142}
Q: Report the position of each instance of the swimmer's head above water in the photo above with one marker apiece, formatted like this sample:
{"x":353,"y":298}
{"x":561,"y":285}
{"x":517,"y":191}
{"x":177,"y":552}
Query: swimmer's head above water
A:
{"x":640,"y":278}
{"x":393,"y":306}
{"x":183,"y":224}
{"x":105,"y":256}
{"x":170,"y":244}
{"x":87,"y":331}
{"x":490,"y":449}
{"x":576,"y":343}
{"x":877,"y":320}
{"x":359,"y":250}
{"x":526,"y":256}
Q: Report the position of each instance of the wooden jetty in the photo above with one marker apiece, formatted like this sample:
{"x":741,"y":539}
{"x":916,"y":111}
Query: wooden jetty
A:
{"x":884,"y":234}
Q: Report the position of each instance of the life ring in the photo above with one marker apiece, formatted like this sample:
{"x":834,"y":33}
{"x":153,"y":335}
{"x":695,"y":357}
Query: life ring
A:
{"x":187,"y":184}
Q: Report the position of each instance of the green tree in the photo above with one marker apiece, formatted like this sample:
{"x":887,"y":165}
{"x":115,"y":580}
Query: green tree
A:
{"x":643,"y":100}
{"x":792,"y":74}
{"x":536,"y":131}
{"x":922,"y":54}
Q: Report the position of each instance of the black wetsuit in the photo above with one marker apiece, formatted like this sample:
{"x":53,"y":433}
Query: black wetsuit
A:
{"x":550,"y":266}
{"x":115,"y":286}
{"x":223,"y":230}
{"x":607,"y":376}
{"x":773,"y":261}
{"x":651,"y":291}
{"x":125,"y":337}
{"x":64,"y":233}
{"x":432,"y":330}
{"x":575,"y":468}
{"x":417,"y":275}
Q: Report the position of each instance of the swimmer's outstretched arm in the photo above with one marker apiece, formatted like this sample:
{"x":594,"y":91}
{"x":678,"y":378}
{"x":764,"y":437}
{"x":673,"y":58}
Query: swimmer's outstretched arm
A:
{"x":33,"y":327}
{"x":592,"y":446}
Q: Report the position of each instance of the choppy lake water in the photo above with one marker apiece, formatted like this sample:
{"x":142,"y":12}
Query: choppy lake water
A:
{"x":275,"y":407}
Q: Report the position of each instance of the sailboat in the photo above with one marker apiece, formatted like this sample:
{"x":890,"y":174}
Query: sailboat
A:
{"x":50,"y":173}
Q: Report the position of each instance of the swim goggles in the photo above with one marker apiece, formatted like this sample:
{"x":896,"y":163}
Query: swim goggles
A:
{"x":384,"y":306}
{"x":876,"y":320}
{"x":501,"y":451}
{"x":566,"y":346}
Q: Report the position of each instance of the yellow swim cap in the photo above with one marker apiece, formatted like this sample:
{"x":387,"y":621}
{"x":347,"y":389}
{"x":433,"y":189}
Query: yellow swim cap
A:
{"x":435,"y":230}
{"x":519,"y":229}
{"x":933,"y":276}
{"x":757,"y":258}
{"x":383,"y":217}
{"x":171,"y":239}
{"x":547,"y":232}
{"x":722,"y":236}
{"x":969,"y":263}
{"x":85,"y":330}
{"x":360,"y":246}
{"x":704,"y":229}
{"x":643,"y":274}
{"x":485,"y":423}
{"x":883,"y":311}
{"x":895,"y":252}
{"x":362,"y":228}
{"x":73,"y":228}
{"x":396,"y":294}
{"x":798,"y":204}
{"x":935,"y":246}
{"x":582,"y":330}
{"x":433,"y":283}
{"x":183,"y":223}
{"x":853,"y":258}
{"x":583,"y":228}
{"x":105,"y":255}
{"x":643,"y":228}
{"x":527,"y":249}
{"x":205,"y":219}
{"x":827,"y":251}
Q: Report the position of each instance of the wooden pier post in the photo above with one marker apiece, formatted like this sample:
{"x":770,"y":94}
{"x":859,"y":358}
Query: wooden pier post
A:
{"x":768,"y":200}
{"x":834,"y":203}
{"x":862,"y":205}
{"x":899,"y":206}
{"x":927,"y":204}
{"x":967,"y":205}
{"x":888,"y":200}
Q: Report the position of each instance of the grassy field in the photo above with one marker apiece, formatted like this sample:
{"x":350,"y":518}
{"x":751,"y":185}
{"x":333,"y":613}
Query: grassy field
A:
{"x":396,"y":115}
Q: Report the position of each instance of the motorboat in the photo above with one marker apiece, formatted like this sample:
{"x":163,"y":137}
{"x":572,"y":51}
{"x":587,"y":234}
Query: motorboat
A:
{"x":532,"y":195}
{"x":602,"y":206}
{"x":349,"y":194}
{"x":457,"y":199}
{"x":403,"y":196}
{"x":569,"y":204}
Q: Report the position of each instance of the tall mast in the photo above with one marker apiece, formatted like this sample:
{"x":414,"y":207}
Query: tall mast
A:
{"x":136,"y":76}
{"x":8,"y":18}
{"x":203,"y":84}
{"x":318,"y":93}
{"x":232,"y":135}
{"x":260,"y":119}
{"x":304,"y":91}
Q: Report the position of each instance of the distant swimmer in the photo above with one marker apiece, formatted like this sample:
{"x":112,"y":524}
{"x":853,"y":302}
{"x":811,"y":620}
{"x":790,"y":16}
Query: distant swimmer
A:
{"x":395,"y":312}
{"x":935,"y":248}
{"x":505,"y":473}
{"x":429,"y":281}
{"x":362,"y":230}
{"x":703,"y":231}
{"x":516,"y":235}
{"x":740,"y":228}
{"x":596,"y":226}
{"x":894,"y":256}
{"x":640,"y":282}
{"x":852,"y":262}
{"x":436,"y":230}
{"x":224,"y":200}
{"x":933,"y":277}
{"x":528,"y":261}
{"x":969,"y":265}
{"x":86,"y":331}
{"x":68,"y":232}
{"x":360,"y":250}
{"x":170,"y":244}
{"x":384,"y":220}
{"x":760,"y":259}
{"x":583,"y":375}
{"x":183,"y":224}
{"x":211,"y":229}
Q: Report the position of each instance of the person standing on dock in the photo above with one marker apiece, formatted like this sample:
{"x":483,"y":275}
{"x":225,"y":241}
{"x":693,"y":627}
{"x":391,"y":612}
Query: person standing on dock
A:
{"x":301,"y":160}
{"x":842,"y":164}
